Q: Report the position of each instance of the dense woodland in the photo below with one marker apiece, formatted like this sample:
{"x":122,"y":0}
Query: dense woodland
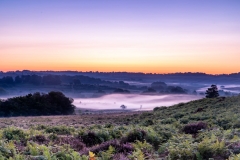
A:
{"x":80,"y":83}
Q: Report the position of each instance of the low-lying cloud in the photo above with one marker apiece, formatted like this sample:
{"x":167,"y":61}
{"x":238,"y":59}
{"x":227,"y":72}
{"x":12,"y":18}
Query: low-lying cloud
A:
{"x":132,"y":101}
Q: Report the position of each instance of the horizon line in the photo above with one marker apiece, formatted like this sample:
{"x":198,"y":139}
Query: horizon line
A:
{"x":26,"y":70}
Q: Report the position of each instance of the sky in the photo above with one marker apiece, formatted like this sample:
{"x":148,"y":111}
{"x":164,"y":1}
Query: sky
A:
{"x":150,"y":36}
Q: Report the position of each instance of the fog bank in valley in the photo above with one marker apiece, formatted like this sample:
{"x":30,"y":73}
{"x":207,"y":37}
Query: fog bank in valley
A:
{"x":133,"y":101}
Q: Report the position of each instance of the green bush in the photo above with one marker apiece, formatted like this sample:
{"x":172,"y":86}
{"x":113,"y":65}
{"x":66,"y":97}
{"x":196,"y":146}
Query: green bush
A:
{"x":184,"y":120}
{"x":148,"y":122}
{"x":14,"y":134}
{"x":61,"y":130}
{"x":168,"y":121}
{"x":134,"y":135}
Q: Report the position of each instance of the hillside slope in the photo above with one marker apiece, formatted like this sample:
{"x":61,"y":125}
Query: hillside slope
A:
{"x":197,"y":130}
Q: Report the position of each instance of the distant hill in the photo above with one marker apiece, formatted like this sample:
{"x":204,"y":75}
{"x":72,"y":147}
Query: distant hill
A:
{"x":170,"y":77}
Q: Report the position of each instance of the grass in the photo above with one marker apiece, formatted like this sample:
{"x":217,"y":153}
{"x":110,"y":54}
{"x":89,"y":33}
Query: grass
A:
{"x":197,"y":130}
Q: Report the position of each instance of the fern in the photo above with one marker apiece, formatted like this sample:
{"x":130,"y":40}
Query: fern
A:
{"x":199,"y":157}
{"x":33,"y":149}
{"x":76,"y":155}
{"x":46,"y":152}
{"x":137,"y":154}
{"x":218,"y":147}
{"x":235,"y":157}
{"x":84,"y":157}
{"x":107,"y":154}
{"x":19,"y":157}
{"x":142,"y":145}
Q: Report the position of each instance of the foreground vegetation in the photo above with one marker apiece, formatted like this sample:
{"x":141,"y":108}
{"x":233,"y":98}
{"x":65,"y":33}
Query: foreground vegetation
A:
{"x":198,"y":130}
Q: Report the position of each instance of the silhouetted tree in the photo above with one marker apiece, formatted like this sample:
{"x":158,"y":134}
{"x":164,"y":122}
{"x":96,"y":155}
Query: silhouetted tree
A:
{"x":53,"y":103}
{"x":123,"y":107}
{"x":121,"y":91}
{"x":159,"y":85}
{"x":176,"y":89}
{"x":212,"y":92}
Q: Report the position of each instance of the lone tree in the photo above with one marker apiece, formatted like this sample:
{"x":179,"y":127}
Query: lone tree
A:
{"x":212,"y":92}
{"x":123,"y":107}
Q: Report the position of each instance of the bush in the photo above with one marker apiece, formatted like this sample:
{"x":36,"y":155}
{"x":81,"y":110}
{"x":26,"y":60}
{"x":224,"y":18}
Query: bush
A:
{"x":116,"y":133}
{"x":159,"y":108}
{"x":208,"y":149}
{"x":14,"y":134}
{"x":168,"y":121}
{"x":154,"y":140}
{"x":148,"y":122}
{"x":40,"y":139}
{"x":236,"y":124}
{"x":178,"y":115}
{"x":119,"y":147}
{"x":135,"y":135}
{"x":184,"y":120}
{"x":193,"y":128}
{"x":61,"y":130}
{"x":225,"y":123}
{"x":53,"y":137}
{"x":90,"y":139}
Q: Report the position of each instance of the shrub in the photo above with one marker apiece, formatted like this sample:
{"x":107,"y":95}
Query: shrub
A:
{"x":148,"y":122}
{"x":144,"y":146}
{"x":41,"y":127}
{"x":90,"y":139}
{"x":146,"y":114}
{"x":116,"y":133}
{"x":236,"y":124}
{"x":225,"y":123}
{"x":40,"y":139}
{"x":193,"y":128}
{"x":103,"y":135}
{"x":14,"y":134}
{"x":119,"y":147}
{"x":208,"y":148}
{"x":75,"y":143}
{"x":135,"y":135}
{"x":184,"y":120}
{"x":178,"y":115}
{"x":182,"y":148}
{"x":168,"y":121}
{"x":154,"y":140}
{"x":108,"y":125}
{"x":53,"y":137}
{"x":61,"y":130}
{"x":120,"y":156}
{"x":159,"y":108}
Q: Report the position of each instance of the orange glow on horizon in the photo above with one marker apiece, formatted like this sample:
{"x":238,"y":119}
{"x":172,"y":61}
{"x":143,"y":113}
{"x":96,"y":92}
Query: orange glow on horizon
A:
{"x":120,"y":36}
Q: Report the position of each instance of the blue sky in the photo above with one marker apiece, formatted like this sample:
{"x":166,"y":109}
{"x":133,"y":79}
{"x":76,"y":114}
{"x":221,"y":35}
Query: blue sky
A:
{"x":124,"y":35}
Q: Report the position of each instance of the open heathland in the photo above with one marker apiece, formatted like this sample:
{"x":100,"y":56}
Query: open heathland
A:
{"x":197,"y":130}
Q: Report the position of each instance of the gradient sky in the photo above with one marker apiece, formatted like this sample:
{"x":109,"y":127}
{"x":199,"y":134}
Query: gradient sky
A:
{"x":158,"y":36}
